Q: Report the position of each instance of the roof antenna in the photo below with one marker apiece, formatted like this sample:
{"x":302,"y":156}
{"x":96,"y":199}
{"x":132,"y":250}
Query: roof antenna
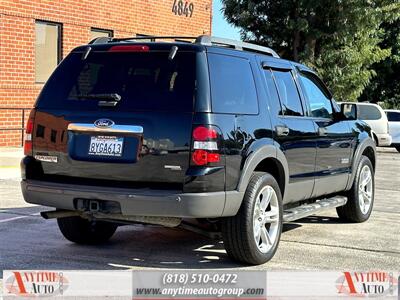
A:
{"x":172,"y":53}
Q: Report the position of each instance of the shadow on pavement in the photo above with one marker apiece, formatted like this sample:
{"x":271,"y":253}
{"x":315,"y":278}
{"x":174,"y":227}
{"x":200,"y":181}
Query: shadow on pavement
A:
{"x":290,"y":226}
{"x":35,"y":243}
{"x":41,"y":246}
{"x":321,"y":219}
{"x":174,"y":248}
{"x":311,"y":220}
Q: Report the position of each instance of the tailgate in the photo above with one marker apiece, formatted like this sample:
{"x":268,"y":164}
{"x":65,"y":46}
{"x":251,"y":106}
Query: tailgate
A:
{"x":120,"y":113}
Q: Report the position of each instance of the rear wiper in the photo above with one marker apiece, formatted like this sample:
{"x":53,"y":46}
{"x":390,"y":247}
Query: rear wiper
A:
{"x":106,"y":99}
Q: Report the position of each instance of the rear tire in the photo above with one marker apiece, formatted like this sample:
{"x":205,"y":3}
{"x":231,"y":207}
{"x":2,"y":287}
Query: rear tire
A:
{"x":252,"y":236}
{"x":82,"y":231}
{"x":361,"y":196}
{"x":398,"y":148}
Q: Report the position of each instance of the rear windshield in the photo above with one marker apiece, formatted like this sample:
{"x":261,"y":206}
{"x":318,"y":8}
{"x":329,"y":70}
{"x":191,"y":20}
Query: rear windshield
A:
{"x":144,"y":81}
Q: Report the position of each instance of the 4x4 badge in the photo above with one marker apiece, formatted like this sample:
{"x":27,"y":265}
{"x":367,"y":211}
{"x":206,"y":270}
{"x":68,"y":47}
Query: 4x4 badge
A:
{"x":104,"y":123}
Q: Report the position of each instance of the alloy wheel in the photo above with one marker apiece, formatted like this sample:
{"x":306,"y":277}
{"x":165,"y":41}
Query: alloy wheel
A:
{"x":266,"y":219}
{"x":365,"y":189}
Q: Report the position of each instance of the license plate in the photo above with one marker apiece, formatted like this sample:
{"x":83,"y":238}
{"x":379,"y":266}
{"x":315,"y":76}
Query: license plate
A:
{"x":106,"y":145}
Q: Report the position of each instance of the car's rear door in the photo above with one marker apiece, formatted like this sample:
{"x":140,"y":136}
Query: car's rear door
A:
{"x":294,"y":132}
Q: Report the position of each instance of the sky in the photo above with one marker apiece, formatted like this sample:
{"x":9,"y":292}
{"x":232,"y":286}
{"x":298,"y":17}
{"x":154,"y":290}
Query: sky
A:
{"x":220,"y":26}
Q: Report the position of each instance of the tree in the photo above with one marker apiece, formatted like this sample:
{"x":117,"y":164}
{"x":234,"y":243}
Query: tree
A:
{"x":385,"y":87}
{"x":339,"y":39}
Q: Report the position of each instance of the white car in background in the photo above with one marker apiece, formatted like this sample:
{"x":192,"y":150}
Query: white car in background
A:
{"x":375,"y":117}
{"x":394,"y":127}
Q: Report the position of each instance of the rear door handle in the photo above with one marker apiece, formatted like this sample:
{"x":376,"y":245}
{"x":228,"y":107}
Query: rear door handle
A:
{"x":282,"y":130}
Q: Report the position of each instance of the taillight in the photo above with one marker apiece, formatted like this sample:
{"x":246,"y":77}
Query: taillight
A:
{"x":129,"y":48}
{"x":205,"y":146}
{"x":202,"y":133}
{"x":28,"y":134}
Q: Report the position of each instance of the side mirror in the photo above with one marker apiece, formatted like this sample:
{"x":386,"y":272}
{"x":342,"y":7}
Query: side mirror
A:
{"x":349,"y":111}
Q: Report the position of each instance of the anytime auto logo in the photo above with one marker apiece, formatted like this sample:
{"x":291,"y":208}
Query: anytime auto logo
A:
{"x":366,"y":284}
{"x":36,"y":283}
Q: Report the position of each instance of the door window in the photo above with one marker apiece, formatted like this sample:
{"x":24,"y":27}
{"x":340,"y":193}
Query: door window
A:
{"x":288,"y":94}
{"x":318,"y":97}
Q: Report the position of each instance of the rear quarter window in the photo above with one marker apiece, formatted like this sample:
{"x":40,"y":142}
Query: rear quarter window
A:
{"x":232,"y":85}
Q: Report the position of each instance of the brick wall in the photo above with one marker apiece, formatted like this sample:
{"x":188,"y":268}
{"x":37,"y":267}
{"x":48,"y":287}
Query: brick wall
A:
{"x":125,"y":17}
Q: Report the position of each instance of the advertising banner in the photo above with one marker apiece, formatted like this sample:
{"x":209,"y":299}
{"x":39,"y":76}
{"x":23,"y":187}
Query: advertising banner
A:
{"x":199,"y":284}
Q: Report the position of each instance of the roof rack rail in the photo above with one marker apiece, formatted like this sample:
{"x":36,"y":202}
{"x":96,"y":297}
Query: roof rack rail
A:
{"x":105,"y":39}
{"x":151,"y":37}
{"x":238,"y":45}
{"x":205,"y":40}
{"x":101,"y":40}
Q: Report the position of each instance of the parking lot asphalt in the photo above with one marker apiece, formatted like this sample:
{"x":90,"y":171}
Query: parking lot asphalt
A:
{"x":315,"y":243}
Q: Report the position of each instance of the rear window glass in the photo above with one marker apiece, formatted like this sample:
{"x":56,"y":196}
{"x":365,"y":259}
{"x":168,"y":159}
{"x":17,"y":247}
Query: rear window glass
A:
{"x":368,"y":112}
{"x":145,"y":81}
{"x":393,"y":116}
{"x":232,"y":85}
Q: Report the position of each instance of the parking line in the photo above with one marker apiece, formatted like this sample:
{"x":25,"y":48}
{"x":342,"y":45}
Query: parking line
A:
{"x":17,"y":218}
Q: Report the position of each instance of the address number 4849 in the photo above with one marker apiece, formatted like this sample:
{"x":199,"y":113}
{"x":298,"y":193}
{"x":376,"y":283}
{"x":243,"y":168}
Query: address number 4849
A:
{"x":181,"y":8}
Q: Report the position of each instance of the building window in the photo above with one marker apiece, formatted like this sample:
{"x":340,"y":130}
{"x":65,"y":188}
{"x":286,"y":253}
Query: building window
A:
{"x":144,"y":37}
{"x":96,"y":33}
{"x":47,"y":49}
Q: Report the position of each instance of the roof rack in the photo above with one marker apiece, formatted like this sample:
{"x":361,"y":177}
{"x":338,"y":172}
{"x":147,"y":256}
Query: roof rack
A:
{"x":238,"y":45}
{"x":102,"y":40}
{"x":151,"y":37}
{"x":205,"y":40}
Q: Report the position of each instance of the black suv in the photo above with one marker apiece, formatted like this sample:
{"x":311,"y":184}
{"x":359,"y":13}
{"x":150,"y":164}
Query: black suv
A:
{"x":131,"y":131}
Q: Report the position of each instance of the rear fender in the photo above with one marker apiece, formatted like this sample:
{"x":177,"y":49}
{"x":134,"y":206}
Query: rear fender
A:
{"x":255,"y":157}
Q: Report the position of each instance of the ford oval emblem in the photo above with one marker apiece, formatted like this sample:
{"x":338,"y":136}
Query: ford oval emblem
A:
{"x":104,"y":123}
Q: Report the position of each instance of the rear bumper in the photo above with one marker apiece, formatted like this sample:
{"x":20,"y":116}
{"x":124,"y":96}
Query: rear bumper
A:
{"x":135,"y":202}
{"x":384,"y":139}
